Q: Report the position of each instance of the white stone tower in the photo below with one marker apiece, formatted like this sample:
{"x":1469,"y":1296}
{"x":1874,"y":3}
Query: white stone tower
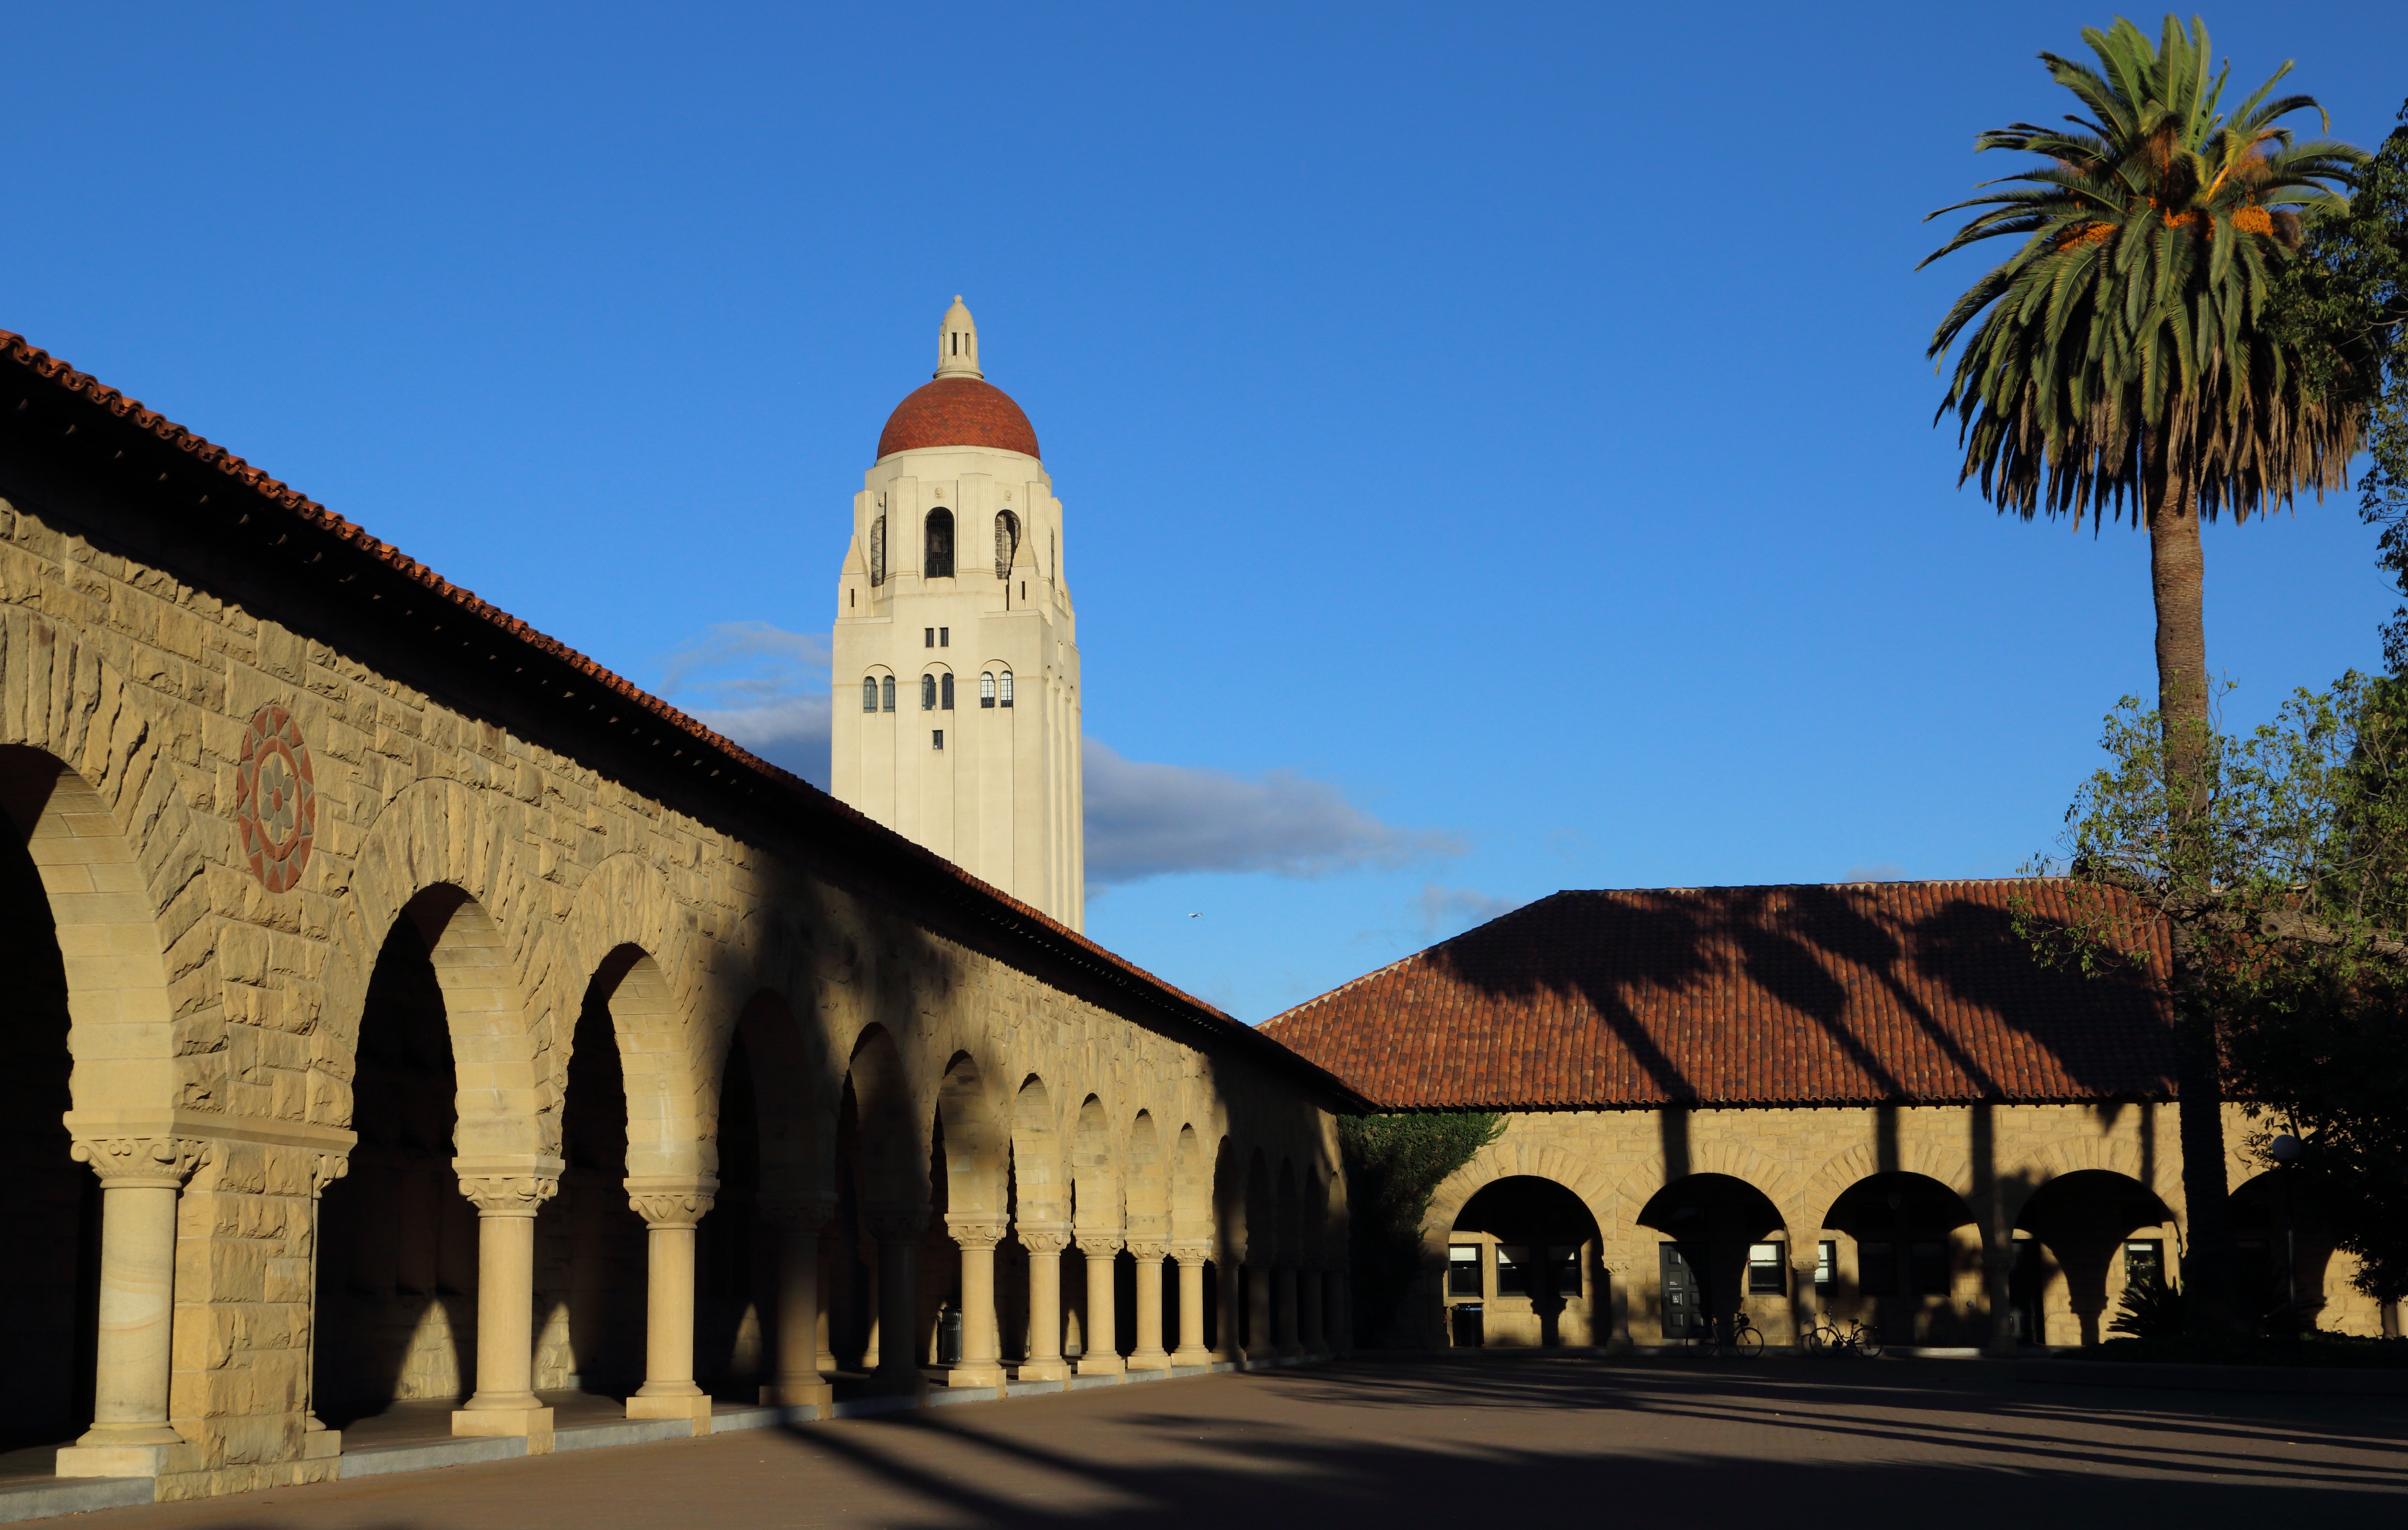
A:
{"x":956,"y":675}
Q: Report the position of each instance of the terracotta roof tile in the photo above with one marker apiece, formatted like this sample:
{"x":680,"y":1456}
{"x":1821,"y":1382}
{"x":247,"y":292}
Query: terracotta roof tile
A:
{"x":1904,"y":991}
{"x":957,"y":411}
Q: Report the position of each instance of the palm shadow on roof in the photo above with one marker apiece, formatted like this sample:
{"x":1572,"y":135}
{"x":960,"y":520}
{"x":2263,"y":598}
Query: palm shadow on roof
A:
{"x":1897,"y":992}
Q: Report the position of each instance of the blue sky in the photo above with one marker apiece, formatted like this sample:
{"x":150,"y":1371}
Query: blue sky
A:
{"x":1496,"y":441}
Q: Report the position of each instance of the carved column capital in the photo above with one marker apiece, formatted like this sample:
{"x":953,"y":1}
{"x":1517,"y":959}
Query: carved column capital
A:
{"x":325,"y":1168}
{"x":1148,"y":1250}
{"x":973,"y":1230}
{"x":1191,"y":1251}
{"x":141,"y":1163}
{"x":1043,"y":1237}
{"x":671,"y":1200}
{"x":1096,"y":1244}
{"x":508,"y":1193}
{"x":805,"y":1214}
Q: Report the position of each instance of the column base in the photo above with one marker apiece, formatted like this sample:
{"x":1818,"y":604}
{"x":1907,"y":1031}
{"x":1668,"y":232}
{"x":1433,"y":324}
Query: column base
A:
{"x":814,"y":1392}
{"x":974,"y":1376}
{"x":1041,"y":1370}
{"x":1149,"y":1360}
{"x":125,"y":1460}
{"x":1190,"y":1357}
{"x":694,"y":1406}
{"x":318,"y":1443}
{"x":533,"y":1422}
{"x":1102,"y":1365}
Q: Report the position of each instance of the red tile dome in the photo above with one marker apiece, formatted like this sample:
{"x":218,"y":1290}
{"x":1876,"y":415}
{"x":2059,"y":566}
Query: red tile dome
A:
{"x":957,"y":411}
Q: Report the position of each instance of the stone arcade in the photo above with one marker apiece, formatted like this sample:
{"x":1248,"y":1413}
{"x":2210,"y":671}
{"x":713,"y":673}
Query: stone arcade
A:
{"x":404,"y":1008}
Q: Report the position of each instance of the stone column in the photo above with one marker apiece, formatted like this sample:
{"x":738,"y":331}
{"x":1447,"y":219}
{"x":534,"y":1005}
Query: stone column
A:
{"x":672,"y":1206}
{"x":1149,"y":1354}
{"x":1309,"y":1313}
{"x":317,"y":1440}
{"x":1044,"y":1242}
{"x":506,"y":1197}
{"x":1259,"y":1344}
{"x":1101,"y":1353}
{"x":1283,"y":1311}
{"x":1191,"y":1256}
{"x":139,"y":1181}
{"x":801,"y":1322}
{"x":981,"y":1359}
{"x":900,"y":1338}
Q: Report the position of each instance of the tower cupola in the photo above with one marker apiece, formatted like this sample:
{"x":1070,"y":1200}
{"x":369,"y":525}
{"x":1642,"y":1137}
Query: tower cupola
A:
{"x":957,"y":343}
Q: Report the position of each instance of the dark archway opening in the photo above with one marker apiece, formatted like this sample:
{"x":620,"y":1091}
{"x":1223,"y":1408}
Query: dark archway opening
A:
{"x":1523,"y":1256}
{"x":2101,"y":1229}
{"x":731,"y":1275}
{"x":1720,"y":1249}
{"x":49,"y":1283}
{"x":590,"y":1244}
{"x":396,"y":1281}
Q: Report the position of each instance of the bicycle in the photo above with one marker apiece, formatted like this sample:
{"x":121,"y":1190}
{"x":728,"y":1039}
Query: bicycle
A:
{"x":1860,"y":1339}
{"x":1736,"y":1337}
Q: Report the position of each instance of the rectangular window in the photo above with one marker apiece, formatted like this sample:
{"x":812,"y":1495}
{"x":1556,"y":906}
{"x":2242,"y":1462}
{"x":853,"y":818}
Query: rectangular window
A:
{"x":1827,"y":1265}
{"x":1877,"y":1268}
{"x":928,"y":636}
{"x":1563,"y":1262}
{"x":1927,"y":1263}
{"x":1763,"y":1272}
{"x":1463,"y":1269}
{"x":1512,"y":1270}
{"x":2144,"y":1261}
{"x":940,"y":737}
{"x":944,"y":637}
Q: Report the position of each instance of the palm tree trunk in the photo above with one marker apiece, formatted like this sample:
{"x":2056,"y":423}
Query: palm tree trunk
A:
{"x":2176,"y":576}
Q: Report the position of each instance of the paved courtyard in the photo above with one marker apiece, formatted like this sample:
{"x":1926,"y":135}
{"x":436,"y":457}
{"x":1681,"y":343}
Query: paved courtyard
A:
{"x":1469,"y":1444}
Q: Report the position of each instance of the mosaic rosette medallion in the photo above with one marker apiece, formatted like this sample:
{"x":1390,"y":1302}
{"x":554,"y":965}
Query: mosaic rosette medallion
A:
{"x":276,"y":799}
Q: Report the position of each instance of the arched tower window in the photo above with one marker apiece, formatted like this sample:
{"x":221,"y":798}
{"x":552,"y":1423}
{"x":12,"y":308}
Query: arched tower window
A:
{"x":878,"y":551}
{"x":941,"y":546}
{"x":870,"y":693}
{"x":945,"y":690}
{"x":928,"y":693}
{"x":886,"y":689}
{"x":1007,"y":543}
{"x":986,"y":689}
{"x":1005,"y":685}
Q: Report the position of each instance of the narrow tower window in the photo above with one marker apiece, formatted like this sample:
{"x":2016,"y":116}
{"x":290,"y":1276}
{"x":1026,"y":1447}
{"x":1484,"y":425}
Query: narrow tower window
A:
{"x":870,"y":693}
{"x":927,"y":636}
{"x":928,"y":693}
{"x":1005,"y":684}
{"x":940,"y":545}
{"x":1007,"y":543}
{"x":878,"y":551}
{"x":939,"y":734}
{"x":945,"y":689}
{"x":886,"y":690}
{"x":986,"y":689}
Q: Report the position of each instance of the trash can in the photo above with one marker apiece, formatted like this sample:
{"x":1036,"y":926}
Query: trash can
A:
{"x":949,"y":1334}
{"x":1467,"y":1334}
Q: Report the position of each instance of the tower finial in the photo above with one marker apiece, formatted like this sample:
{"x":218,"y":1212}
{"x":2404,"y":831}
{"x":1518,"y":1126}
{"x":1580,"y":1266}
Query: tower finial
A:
{"x":957,"y":343}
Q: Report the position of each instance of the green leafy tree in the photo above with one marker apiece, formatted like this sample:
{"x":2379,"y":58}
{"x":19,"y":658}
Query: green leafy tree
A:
{"x":1394,"y":1167}
{"x":2301,"y":941}
{"x":2124,"y":359}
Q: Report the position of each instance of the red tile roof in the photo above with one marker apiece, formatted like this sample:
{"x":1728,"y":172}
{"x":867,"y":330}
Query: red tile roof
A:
{"x":957,"y":411}
{"x":900,"y":859}
{"x":1905,"y":992}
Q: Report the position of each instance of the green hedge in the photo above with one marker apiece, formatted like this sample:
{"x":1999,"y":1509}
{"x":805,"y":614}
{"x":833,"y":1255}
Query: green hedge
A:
{"x":1394,"y":1165}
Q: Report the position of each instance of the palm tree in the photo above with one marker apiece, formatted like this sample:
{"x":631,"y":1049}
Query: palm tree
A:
{"x":2126,"y":357}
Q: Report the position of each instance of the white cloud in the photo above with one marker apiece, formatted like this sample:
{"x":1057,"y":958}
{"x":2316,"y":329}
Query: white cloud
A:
{"x":762,"y":686}
{"x":1147,"y":820}
{"x":1445,"y":911}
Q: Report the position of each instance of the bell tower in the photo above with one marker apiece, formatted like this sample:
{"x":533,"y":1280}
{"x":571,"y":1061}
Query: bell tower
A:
{"x":956,"y":659}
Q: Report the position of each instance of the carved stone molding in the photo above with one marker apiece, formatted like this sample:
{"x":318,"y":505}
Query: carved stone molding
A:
{"x":809,"y":1215}
{"x":141,"y":1163}
{"x":1043,"y":1237}
{"x":681,"y":1203}
{"x":1192,"y":1251}
{"x":974,"y":1232}
{"x":324,"y":1169}
{"x":509,"y":1194}
{"x":1148,"y":1250}
{"x":1093,"y":1244}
